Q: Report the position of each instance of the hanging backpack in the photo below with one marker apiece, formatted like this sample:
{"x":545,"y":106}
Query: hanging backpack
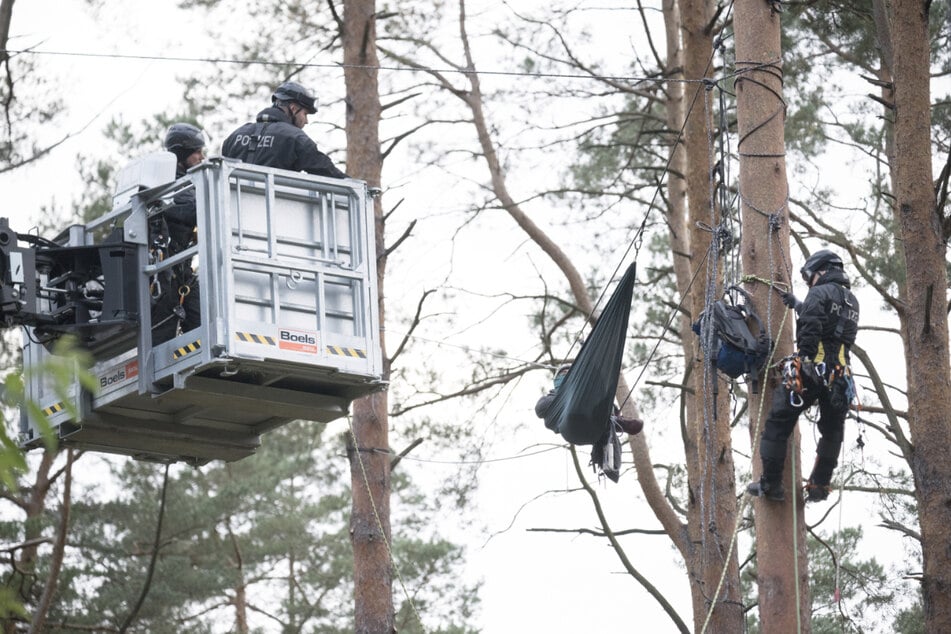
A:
{"x":733,"y":347}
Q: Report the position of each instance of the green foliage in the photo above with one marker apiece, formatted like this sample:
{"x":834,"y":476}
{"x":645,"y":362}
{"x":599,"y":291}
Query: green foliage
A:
{"x":272,"y":528}
{"x":10,"y":607}
{"x":837,"y":39}
{"x":60,"y":370}
{"x":12,"y":461}
{"x":861,"y":599}
{"x":911,"y":620}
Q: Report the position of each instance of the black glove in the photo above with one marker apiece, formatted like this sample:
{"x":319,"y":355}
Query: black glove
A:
{"x":790,"y":300}
{"x":807,"y":371}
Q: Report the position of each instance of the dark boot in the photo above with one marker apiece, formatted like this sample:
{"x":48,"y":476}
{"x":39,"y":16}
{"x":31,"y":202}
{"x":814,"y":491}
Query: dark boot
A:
{"x":770,"y":485}
{"x":817,"y":492}
{"x":827,"y":457}
{"x":629,"y":426}
{"x":771,"y":490}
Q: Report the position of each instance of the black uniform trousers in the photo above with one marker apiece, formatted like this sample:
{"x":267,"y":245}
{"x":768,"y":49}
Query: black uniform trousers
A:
{"x":782,"y":418}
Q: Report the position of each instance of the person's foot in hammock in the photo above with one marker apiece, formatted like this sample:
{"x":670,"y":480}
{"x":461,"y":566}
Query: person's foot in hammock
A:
{"x":629,"y":426}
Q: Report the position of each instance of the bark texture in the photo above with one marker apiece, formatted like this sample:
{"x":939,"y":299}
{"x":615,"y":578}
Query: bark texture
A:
{"x":924,"y":317}
{"x":784,"y":599}
{"x":369,"y":460}
{"x":713,"y":567}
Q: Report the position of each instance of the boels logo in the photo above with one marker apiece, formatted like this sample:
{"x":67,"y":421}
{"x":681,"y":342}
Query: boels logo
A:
{"x":119,"y":375}
{"x":298,"y":341}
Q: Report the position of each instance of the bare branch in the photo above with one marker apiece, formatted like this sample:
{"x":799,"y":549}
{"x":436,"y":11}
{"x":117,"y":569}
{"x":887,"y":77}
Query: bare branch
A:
{"x":59,"y":548}
{"x":413,"y":445}
{"x":502,"y":379}
{"x":406,"y":234}
{"x":842,"y":241}
{"x":901,"y":528}
{"x":147,"y":584}
{"x":417,"y":319}
{"x":596,"y":533}
{"x":900,"y":439}
{"x":622,"y":555}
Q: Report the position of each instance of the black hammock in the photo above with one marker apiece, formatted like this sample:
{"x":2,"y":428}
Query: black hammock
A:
{"x":582,"y":407}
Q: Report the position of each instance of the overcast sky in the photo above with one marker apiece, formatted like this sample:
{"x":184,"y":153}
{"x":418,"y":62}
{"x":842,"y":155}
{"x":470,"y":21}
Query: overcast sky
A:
{"x":534,"y":581}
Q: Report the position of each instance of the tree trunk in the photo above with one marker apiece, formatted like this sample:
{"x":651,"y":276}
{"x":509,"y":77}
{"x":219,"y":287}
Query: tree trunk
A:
{"x":924,"y":318}
{"x":784,"y":602}
{"x":59,"y":551}
{"x":369,"y":469}
{"x":241,"y":608}
{"x":6,"y":17}
{"x":711,"y":510}
{"x":33,"y":504}
{"x":676,"y":181}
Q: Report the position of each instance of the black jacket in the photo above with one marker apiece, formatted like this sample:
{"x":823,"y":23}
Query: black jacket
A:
{"x":272,"y":140}
{"x":828,"y":320}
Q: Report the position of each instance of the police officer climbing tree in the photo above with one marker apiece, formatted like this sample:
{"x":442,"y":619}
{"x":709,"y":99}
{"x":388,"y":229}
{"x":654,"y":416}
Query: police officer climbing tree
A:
{"x":826,"y":326}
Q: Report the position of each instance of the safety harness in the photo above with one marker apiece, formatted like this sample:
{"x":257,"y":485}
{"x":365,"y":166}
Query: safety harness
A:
{"x":825,"y":373}
{"x":161,"y":246}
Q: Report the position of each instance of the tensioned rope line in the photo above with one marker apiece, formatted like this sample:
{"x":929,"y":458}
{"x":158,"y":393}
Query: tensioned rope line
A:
{"x":638,"y":238}
{"x":705,"y":83}
{"x":745,"y":499}
{"x":379,"y":521}
{"x":673,"y":314}
{"x":637,"y":241}
{"x":772,"y":226}
{"x":390,"y":452}
{"x":269,"y":62}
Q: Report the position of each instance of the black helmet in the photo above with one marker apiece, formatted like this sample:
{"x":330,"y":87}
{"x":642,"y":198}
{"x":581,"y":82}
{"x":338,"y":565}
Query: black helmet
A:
{"x":820,"y":261}
{"x":292,"y":91}
{"x":183,"y":139}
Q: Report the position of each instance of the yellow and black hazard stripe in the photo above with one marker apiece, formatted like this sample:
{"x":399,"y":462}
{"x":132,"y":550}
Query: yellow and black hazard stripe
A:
{"x":340,"y":351}
{"x":250,"y":337}
{"x":56,"y":408}
{"x":187,"y":349}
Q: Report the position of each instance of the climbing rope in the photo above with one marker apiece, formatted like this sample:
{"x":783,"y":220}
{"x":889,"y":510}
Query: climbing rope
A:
{"x":745,"y":500}
{"x":774,"y":223}
{"x":795,"y":542}
{"x":379,"y":522}
{"x":708,"y":489}
{"x":779,"y":287}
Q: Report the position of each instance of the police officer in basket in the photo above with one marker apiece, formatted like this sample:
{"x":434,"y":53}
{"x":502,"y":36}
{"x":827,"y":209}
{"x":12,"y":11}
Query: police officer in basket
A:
{"x":176,"y":307}
{"x":276,"y":137}
{"x":826,"y":325}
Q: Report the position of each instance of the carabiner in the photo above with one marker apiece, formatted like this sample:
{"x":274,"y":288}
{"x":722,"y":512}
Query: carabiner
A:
{"x":821,"y":372}
{"x":794,"y":397}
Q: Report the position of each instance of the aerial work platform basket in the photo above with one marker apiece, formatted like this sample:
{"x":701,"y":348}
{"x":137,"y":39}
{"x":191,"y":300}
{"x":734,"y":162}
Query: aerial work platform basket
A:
{"x":287,"y":281}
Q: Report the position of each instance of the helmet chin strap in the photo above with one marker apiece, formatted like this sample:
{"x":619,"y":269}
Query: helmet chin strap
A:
{"x":289,"y":111}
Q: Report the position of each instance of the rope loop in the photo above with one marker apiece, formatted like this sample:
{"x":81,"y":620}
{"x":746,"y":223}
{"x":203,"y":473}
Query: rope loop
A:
{"x":776,"y":221}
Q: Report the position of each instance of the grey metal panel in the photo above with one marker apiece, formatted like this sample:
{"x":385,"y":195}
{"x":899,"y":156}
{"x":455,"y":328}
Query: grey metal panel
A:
{"x":289,"y":329}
